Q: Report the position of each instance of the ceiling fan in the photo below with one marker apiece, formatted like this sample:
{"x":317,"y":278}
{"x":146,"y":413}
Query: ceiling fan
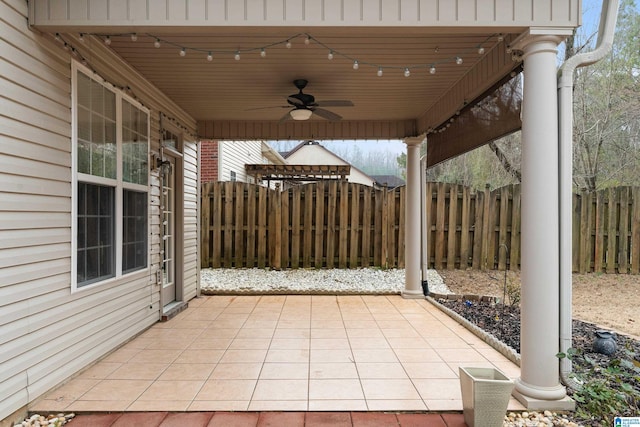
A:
{"x":303,"y":105}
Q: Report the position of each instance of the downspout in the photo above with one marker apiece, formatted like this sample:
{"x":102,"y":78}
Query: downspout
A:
{"x":423,"y":221}
{"x":606,"y":28}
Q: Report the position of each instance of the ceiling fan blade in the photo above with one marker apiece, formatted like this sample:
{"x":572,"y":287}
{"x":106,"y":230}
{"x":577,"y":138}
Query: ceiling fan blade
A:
{"x":285,"y":118}
{"x":336,"y":103}
{"x":266,"y":108}
{"x":326,"y":114}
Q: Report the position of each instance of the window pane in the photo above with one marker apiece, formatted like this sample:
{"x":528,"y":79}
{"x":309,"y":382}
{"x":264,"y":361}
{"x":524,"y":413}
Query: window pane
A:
{"x":135,"y":146}
{"x":96,"y":250}
{"x":134,"y":231}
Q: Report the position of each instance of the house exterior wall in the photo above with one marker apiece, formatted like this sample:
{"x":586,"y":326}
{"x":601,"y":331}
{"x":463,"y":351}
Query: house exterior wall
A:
{"x":233,"y":155}
{"x":315,"y":154}
{"x":349,"y":13}
{"x":209,"y":160}
{"x":47,"y":332}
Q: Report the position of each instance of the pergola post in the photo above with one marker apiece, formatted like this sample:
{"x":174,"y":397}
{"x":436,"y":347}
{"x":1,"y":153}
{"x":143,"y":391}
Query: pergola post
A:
{"x":413,"y":275}
{"x":539,"y":384}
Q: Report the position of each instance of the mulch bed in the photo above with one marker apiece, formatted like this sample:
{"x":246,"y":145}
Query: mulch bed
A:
{"x":503,"y":322}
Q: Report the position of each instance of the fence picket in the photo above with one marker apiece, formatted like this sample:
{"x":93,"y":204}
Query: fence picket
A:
{"x":337,"y":224}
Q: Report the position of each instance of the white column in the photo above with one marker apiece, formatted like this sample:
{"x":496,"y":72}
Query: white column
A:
{"x":413,"y":276}
{"x":539,"y":384}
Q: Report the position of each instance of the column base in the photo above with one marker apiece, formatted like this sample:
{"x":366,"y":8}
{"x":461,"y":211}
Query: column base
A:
{"x":533,"y":404}
{"x":412,"y":294}
{"x":543,"y":398}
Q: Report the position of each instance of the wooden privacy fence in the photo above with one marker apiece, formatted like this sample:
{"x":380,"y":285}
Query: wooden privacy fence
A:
{"x":343,"y":225}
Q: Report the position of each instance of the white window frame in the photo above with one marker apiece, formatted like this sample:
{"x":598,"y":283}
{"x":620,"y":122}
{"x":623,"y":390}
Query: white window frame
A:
{"x":119,"y":186}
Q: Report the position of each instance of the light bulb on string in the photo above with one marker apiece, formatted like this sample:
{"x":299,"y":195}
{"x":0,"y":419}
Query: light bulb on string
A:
{"x":237,"y":56}
{"x":379,"y":71}
{"x":134,"y":37}
{"x":432,"y":69}
{"x":107,"y":41}
{"x":330,"y":55}
{"x":263,"y":52}
{"x":307,"y":40}
{"x":458,"y":60}
{"x":480,"y":50}
{"x":288,"y":44}
{"x":81,"y":37}
{"x":407,"y":72}
{"x":500,"y":37}
{"x":183,"y":52}
{"x":356,"y":65}
{"x":209,"y":57}
{"x":58,"y":38}
{"x":156,"y":43}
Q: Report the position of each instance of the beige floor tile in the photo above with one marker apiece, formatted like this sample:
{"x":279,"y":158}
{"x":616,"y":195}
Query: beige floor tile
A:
{"x":332,"y":370}
{"x":329,"y":344}
{"x":219,"y":333}
{"x":172,"y":390}
{"x":278,"y":405}
{"x":327,"y":324}
{"x":211,"y":344}
{"x":438,"y":389}
{"x":337,"y":355}
{"x":400,"y":333}
{"x":72,"y":390}
{"x":294,"y":324}
{"x":455,"y":366}
{"x":395,"y":405}
{"x":128,"y":390}
{"x":227,"y":390}
{"x":364,"y":333}
{"x":50,"y":406}
{"x":203,"y":313}
{"x":284,"y":371}
{"x":289,"y":344}
{"x":187,"y":371}
{"x":429,"y":370}
{"x":260,"y":323}
{"x":159,"y":405}
{"x":100,"y":370}
{"x":281,"y":390}
{"x":415,"y":355}
{"x":415,"y":342}
{"x":331,"y":389}
{"x":508,"y":368}
{"x":220,"y":323}
{"x":394,"y":324}
{"x":138,"y":371}
{"x":386,"y":315}
{"x":171,"y":343}
{"x":328,"y":333}
{"x":250,"y":344}
{"x":191,"y":324}
{"x":139,"y":343}
{"x":369,"y":343}
{"x":357,"y":316}
{"x":219,"y":405}
{"x":155,"y":356}
{"x":492,"y":355}
{"x":338,"y":405}
{"x":514,"y":405}
{"x":122,"y":355}
{"x":460,"y":355}
{"x":256,"y":333}
{"x":360,"y":324}
{"x":201,"y":356}
{"x":449,"y":342}
{"x":374,"y":355}
{"x":444,"y":404}
{"x":381,"y":370}
{"x":287,"y":356}
{"x":292,"y":333}
{"x":236,"y":371}
{"x":243,"y":356}
{"x":389,"y":389}
{"x":99,"y":405}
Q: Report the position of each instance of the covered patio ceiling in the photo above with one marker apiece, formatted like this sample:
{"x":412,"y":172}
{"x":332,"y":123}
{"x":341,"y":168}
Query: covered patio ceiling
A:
{"x":247,"y":98}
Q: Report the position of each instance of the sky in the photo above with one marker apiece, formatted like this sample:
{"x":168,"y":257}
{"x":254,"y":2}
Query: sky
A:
{"x":590,"y":19}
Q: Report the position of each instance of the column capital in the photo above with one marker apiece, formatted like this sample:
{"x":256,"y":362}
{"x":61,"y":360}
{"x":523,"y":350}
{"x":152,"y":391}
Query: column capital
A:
{"x":540,"y":39}
{"x":414,"y":140}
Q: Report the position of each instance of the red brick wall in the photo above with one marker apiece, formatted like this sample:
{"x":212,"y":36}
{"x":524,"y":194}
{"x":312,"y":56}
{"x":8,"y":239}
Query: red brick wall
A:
{"x":208,"y":161}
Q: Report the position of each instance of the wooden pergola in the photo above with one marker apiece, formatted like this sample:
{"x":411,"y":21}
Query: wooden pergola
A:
{"x":297,"y":173}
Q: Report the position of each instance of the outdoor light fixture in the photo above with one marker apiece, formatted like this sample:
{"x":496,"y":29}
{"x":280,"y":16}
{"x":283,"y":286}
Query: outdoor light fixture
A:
{"x":300,"y":114}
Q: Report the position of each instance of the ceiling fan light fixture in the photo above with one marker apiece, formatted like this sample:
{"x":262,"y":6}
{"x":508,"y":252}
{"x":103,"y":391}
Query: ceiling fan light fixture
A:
{"x":300,"y":114}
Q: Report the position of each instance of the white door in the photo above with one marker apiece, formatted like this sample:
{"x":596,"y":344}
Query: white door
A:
{"x":168,"y":231}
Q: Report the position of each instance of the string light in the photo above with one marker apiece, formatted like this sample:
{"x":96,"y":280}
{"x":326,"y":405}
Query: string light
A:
{"x":237,"y":55}
{"x":288,"y":44}
{"x":209,"y":57}
{"x":432,"y":69}
{"x":356,"y":65}
{"x":134,"y":37}
{"x":183,"y":52}
{"x":458,"y":60}
{"x":500,"y":37}
{"x":407,"y":73}
{"x":330,"y":55}
{"x":480,"y":50}
{"x":307,"y":40}
{"x":379,"y":71}
{"x":263,"y":52}
{"x":81,"y":38}
{"x":107,"y":41}
{"x":156,"y":43}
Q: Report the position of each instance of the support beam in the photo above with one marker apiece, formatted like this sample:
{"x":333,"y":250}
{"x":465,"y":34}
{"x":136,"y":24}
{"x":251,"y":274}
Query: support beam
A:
{"x":413,"y":275}
{"x":539,"y":384}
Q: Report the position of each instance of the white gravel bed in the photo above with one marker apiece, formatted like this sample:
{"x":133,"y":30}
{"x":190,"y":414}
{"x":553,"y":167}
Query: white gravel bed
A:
{"x":311,"y":281}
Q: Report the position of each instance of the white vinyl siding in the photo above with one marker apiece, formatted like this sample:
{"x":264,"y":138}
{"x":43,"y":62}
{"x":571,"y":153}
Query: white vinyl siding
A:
{"x":47,"y":333}
{"x":233,"y":155}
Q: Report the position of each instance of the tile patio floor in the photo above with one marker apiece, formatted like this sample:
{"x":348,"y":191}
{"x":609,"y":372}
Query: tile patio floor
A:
{"x":286,"y":353}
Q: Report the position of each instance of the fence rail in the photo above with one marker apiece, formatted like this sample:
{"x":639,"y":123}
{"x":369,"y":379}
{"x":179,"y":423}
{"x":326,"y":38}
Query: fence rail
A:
{"x":344,"y":225}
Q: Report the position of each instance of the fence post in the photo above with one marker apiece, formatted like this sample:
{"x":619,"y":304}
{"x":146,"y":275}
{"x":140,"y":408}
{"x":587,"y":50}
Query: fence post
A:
{"x":275,"y":229}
